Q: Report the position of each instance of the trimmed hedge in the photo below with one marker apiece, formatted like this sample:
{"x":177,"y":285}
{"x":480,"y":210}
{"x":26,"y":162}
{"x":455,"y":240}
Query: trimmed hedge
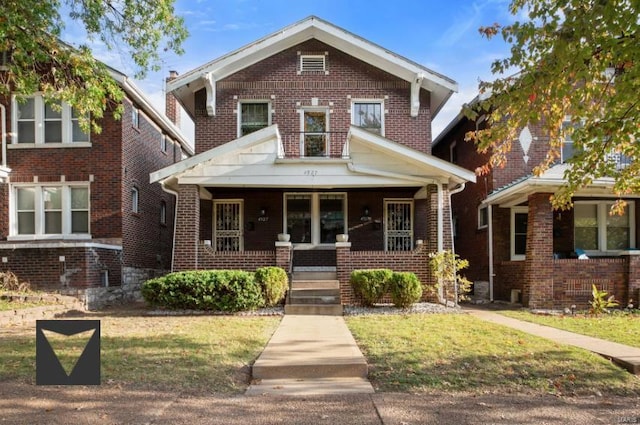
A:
{"x":405,"y":288}
{"x":370,"y":284}
{"x":219,"y":290}
{"x":274,"y":284}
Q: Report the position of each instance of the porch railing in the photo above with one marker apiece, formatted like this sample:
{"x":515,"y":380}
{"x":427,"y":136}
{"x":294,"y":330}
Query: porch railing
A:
{"x":327,"y":144}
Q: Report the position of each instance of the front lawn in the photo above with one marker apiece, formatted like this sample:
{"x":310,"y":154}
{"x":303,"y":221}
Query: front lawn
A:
{"x":457,"y":352}
{"x":6,"y":305}
{"x":617,"y":327}
{"x":209,"y":354}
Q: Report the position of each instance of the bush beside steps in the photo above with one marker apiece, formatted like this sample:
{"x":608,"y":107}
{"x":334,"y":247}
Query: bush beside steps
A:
{"x":370,"y":285}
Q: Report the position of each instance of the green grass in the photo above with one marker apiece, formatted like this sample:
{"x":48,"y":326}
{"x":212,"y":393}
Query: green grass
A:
{"x":193,"y":354}
{"x":430,"y":353}
{"x":616,"y":327}
{"x":6,"y":305}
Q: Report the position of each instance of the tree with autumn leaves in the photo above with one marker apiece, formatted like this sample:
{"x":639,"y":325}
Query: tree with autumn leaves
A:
{"x":572,"y":58}
{"x":37,"y":60}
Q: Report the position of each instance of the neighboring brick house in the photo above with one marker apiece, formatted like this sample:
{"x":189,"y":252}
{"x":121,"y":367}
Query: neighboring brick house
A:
{"x":77,"y":210}
{"x":523,"y":249}
{"x":312,"y":132}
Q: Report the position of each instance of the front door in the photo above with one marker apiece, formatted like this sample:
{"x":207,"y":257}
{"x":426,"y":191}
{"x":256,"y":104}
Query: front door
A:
{"x":315,"y":218}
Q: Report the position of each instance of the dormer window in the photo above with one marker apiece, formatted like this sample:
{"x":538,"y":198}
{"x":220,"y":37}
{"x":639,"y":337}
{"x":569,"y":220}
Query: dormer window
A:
{"x":316,"y":63}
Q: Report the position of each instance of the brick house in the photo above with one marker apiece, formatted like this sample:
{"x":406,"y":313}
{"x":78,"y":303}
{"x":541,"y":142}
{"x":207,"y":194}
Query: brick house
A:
{"x":313,"y":133}
{"x":77,"y":210}
{"x":522,"y":249}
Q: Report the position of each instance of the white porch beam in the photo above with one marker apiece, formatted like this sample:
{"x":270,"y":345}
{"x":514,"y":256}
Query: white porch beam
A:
{"x":210,"y":87}
{"x":415,"y":93}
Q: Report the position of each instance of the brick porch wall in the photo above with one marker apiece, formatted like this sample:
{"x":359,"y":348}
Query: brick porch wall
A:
{"x":538,"y":268}
{"x":572,"y":280}
{"x":416,"y":261}
{"x":242,"y":260}
{"x":508,"y":275}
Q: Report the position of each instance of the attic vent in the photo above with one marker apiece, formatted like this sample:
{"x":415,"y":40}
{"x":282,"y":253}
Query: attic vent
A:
{"x":313,"y":63}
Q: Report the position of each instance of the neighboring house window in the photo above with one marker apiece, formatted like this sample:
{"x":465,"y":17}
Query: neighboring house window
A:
{"x":227,"y":229}
{"x":519,"y":217}
{"x":315,"y":137}
{"x":368,"y":115}
{"x":398,"y":230}
{"x":313,"y":63}
{"x":38,"y":122}
{"x":163,"y":212}
{"x":483,"y":217}
{"x":50,"y":211}
{"x":135,"y":200}
{"x":315,"y":218}
{"x":453,"y":152}
{"x":567,"y":145}
{"x":253,"y":117}
{"x":595,"y":230}
{"x":135,"y":118}
{"x":163,"y":143}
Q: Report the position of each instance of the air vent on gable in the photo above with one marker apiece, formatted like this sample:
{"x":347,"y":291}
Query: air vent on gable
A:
{"x":312,"y":63}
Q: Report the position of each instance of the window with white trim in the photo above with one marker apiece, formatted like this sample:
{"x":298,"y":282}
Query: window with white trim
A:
{"x":398,"y":229}
{"x":52,"y":123}
{"x":163,"y":142}
{"x":49,"y":211}
{"x":135,"y":200}
{"x":567,"y":144}
{"x":597,"y":231}
{"x":315,"y":218}
{"x":483,"y":217}
{"x":253,"y":116}
{"x":519,"y":222}
{"x":314,"y":140}
{"x":368,"y":115}
{"x":453,"y":152}
{"x":135,"y":117}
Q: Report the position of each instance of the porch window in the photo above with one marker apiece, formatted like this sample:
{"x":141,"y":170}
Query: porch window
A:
{"x":227,"y":230}
{"x":315,"y":136}
{"x":38,"y":122}
{"x":597,"y":231}
{"x":519,"y":218}
{"x":398,"y":225}
{"x":57,"y":211}
{"x":368,"y":115}
{"x":253,"y":117}
{"x":315,"y":218}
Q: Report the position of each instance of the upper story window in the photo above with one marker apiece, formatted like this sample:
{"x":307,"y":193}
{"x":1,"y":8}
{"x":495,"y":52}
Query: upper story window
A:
{"x":135,"y":118}
{"x":135,"y":200}
{"x":163,"y":212}
{"x":567,"y":145}
{"x":453,"y":152}
{"x":49,"y":211}
{"x":46,"y":123}
{"x":368,"y":115}
{"x":315,"y":132}
{"x":597,"y":231}
{"x":483,"y":217}
{"x":253,"y":117}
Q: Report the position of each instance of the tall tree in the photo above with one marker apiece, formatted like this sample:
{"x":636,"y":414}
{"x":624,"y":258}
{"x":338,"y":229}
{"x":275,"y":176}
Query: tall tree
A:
{"x":37,"y":60}
{"x":577,"y":58}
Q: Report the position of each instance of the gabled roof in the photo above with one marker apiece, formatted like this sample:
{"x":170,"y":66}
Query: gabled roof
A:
{"x":313,"y":27}
{"x":257,"y":160}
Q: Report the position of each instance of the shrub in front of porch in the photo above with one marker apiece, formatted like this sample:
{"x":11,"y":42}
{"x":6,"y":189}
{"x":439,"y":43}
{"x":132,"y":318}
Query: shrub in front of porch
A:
{"x":370,"y":284}
{"x":217,"y":290}
{"x":405,"y":288}
{"x":274,"y":284}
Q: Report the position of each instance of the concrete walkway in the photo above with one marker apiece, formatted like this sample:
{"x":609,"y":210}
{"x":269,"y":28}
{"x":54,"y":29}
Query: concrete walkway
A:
{"x":310,"y":355}
{"x":624,"y":355}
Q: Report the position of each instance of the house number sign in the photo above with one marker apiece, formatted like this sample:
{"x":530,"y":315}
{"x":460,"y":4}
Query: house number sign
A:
{"x":311,"y":172}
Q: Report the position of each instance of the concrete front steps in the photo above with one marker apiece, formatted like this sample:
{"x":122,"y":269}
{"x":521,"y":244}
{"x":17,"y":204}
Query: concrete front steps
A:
{"x":314,"y":293}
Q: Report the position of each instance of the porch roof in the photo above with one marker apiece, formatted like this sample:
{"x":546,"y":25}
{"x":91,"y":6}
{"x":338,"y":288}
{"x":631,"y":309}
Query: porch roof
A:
{"x":312,"y":27}
{"x":257,"y":160}
{"x":550,"y":181}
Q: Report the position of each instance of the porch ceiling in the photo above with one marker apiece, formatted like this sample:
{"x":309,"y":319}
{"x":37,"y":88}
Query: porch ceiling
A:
{"x":257,"y":160}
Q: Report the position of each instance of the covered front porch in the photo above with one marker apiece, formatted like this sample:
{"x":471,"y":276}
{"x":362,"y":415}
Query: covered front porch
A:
{"x":245,"y":205}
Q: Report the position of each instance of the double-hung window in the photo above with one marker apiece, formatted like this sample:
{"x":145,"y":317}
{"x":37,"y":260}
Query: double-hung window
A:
{"x":315,"y":132}
{"x":41,"y":123}
{"x":519,"y":221}
{"x":597,"y":231}
{"x":368,"y":115}
{"x":49,"y":211}
{"x":253,"y":117}
{"x":567,"y":144}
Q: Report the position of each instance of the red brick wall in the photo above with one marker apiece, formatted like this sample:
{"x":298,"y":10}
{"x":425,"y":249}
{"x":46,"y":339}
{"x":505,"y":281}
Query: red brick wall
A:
{"x":277,"y":76}
{"x":610,"y":274}
{"x":187,"y":230}
{"x":247,"y":260}
{"x":508,"y":275}
{"x":538,"y":268}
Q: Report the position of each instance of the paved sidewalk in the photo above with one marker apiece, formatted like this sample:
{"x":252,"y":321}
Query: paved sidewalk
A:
{"x":624,"y":355}
{"x":310,"y":355}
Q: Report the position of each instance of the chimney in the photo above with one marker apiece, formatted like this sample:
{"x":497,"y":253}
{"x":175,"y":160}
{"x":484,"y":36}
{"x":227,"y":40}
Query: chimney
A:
{"x":172,"y":109}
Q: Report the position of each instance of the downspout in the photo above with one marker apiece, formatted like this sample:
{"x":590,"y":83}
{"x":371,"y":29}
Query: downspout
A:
{"x":455,"y":191}
{"x":490,"y":230}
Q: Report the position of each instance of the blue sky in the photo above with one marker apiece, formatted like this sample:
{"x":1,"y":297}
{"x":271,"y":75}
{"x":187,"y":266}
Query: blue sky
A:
{"x":439,"y":34}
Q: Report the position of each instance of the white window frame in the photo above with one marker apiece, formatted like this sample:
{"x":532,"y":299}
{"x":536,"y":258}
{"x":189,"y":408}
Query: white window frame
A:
{"x":327,"y":141}
{"x":240,"y":234}
{"x":135,"y":117}
{"x":355,"y":102}
{"x":315,"y":215}
{"x":602,"y":210}
{"x":135,"y":200}
{"x":482,"y":225}
{"x":39,"y":123}
{"x":405,"y":201}
{"x":163,"y":143}
{"x":261,"y":101}
{"x":568,"y":139}
{"x":512,"y":232}
{"x":39,"y":212}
